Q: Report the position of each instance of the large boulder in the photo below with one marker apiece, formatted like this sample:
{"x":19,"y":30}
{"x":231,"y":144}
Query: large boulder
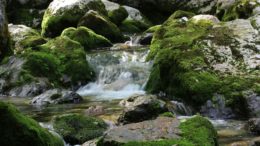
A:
{"x":196,"y":60}
{"x":17,"y":129}
{"x":87,"y":38}
{"x":101,"y":25}
{"x":163,"y":131}
{"x":56,"y":96}
{"x":141,"y":107}
{"x":77,"y":129}
{"x":4,"y":35}
{"x":63,"y":13}
{"x":23,"y":37}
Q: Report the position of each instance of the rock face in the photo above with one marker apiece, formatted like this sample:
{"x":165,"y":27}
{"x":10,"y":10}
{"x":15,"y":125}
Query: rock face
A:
{"x":162,"y":131}
{"x":16,"y":128}
{"x":4,"y":35}
{"x":141,"y":107}
{"x":56,"y":96}
{"x":101,"y":25}
{"x":223,"y":58}
{"x":63,"y":13}
{"x":77,"y":129}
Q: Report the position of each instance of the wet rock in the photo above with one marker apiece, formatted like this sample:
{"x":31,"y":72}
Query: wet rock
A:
{"x":91,"y":143}
{"x":253,"y":125}
{"x":141,"y":107}
{"x":95,"y":110}
{"x":101,"y":26}
{"x":4,"y":35}
{"x":62,"y":14}
{"x":253,"y":102}
{"x":146,"y":39}
{"x":56,"y":96}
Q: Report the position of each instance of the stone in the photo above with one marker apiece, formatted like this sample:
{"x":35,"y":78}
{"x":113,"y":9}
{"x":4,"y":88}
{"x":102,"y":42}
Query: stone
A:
{"x":56,"y":96}
{"x":253,"y":125}
{"x":95,"y":110}
{"x":141,"y":107}
{"x":4,"y":35}
{"x":208,"y":18}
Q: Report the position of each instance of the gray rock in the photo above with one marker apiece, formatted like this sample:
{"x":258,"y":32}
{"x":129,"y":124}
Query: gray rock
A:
{"x":4,"y":35}
{"x":144,"y":131}
{"x":56,"y":96}
{"x":141,"y":107}
{"x":253,"y":102}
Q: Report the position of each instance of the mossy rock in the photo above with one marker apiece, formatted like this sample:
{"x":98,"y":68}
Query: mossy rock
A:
{"x":153,"y":29}
{"x":17,"y":129}
{"x":117,"y":16}
{"x":60,"y":15}
{"x":87,"y":38}
{"x":183,"y":69}
{"x":132,"y":26}
{"x":179,"y":14}
{"x":101,"y":25}
{"x":77,"y":129}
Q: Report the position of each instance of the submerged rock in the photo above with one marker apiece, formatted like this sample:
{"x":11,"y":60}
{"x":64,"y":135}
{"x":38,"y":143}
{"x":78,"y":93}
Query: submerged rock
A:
{"x":77,"y":129}
{"x":141,"y":107}
{"x":56,"y":96}
{"x":4,"y":35}
{"x":17,"y":129}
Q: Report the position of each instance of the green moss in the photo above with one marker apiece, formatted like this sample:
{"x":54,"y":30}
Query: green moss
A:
{"x":167,"y":114}
{"x":86,"y":37}
{"x":32,"y":41}
{"x":77,"y":129}
{"x":161,"y":143}
{"x":199,"y":131}
{"x":132,"y":26}
{"x":118,"y":16}
{"x":153,"y":29}
{"x":179,"y":14}
{"x":17,"y":129}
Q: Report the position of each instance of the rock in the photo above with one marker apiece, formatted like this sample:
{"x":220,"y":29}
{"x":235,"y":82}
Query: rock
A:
{"x":62,"y":14}
{"x":101,"y":25}
{"x":77,"y":129}
{"x":253,"y":101}
{"x":16,"y":128}
{"x":141,"y":107}
{"x":95,"y":110}
{"x":226,"y":62}
{"x":162,"y":130}
{"x":24,"y":37}
{"x":87,"y":38}
{"x":56,"y":96}
{"x":91,"y":143}
{"x":208,"y":18}
{"x":253,"y":125}
{"x":146,"y":39}
{"x":4,"y":35}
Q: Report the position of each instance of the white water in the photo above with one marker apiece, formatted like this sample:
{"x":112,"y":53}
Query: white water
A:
{"x":120,"y":74}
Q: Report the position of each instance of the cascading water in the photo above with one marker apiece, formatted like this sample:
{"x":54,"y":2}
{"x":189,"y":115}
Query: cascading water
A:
{"x":120,"y":74}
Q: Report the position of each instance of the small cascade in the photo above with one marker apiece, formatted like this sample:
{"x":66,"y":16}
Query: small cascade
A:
{"x":134,"y":41}
{"x":179,"y":108}
{"x":119,"y":74}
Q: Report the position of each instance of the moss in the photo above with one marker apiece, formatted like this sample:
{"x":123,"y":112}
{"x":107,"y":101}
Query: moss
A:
{"x":32,"y":41}
{"x":199,"y":131}
{"x":240,"y":9}
{"x":133,"y":26}
{"x":167,"y":114}
{"x":86,"y":37}
{"x":153,"y":29}
{"x":118,"y":16}
{"x":179,"y":14}
{"x":77,"y":129}
{"x":17,"y":129}
{"x":101,"y":25}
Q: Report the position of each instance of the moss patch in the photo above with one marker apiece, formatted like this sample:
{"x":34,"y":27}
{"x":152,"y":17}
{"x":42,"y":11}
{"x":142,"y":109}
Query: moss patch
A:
{"x":118,"y":16}
{"x":17,"y":129}
{"x":77,"y":129}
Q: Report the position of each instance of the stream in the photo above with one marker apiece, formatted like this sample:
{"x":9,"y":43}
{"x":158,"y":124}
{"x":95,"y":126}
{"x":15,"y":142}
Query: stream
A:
{"x":121,"y":72}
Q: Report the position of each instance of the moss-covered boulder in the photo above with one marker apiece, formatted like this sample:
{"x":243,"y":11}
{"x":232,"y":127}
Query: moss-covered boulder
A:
{"x":101,"y":25}
{"x":62,"y":14}
{"x":231,"y":10}
{"x":77,"y":129}
{"x":4,"y":35}
{"x":190,"y":132}
{"x":194,"y":61}
{"x":86,"y":37}
{"x":23,"y":37}
{"x":17,"y":129}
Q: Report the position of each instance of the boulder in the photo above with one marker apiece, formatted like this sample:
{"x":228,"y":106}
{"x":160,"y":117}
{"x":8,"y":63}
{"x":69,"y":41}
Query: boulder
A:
{"x":141,"y":107}
{"x":23,"y":37}
{"x":87,"y":38}
{"x":253,"y":125}
{"x":4,"y":35}
{"x":77,"y":129}
{"x":56,"y":96}
{"x":207,"y":18}
{"x":101,"y":26}
{"x":16,"y":128}
{"x":163,"y":131}
{"x":195,"y":61}
{"x":62,"y":14}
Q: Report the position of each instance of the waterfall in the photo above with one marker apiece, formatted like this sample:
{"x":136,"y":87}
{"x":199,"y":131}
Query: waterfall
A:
{"x":120,"y":74}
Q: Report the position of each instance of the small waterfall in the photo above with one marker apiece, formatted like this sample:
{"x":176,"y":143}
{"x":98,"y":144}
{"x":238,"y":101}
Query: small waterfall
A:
{"x":134,"y":40}
{"x":180,"y":109}
{"x":120,"y":74}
